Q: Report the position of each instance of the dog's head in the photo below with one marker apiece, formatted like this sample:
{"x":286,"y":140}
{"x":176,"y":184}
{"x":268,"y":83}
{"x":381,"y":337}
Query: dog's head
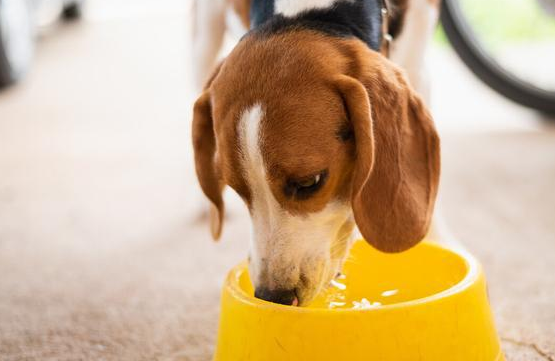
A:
{"x":316,"y":134}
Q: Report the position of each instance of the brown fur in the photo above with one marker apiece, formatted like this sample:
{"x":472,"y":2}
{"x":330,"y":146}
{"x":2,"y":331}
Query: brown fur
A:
{"x":311,"y":86}
{"x":397,"y":168}
{"x":208,"y":171}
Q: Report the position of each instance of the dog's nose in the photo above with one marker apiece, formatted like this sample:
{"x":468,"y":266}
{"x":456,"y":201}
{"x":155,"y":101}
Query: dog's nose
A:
{"x":282,"y":296}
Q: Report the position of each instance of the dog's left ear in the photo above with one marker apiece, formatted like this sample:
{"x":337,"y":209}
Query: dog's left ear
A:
{"x":206,"y":165}
{"x":397,"y":164}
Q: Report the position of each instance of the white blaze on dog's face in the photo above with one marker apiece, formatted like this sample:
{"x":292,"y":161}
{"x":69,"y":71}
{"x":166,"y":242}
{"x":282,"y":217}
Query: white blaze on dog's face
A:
{"x":287,"y":123}
{"x":291,"y":249}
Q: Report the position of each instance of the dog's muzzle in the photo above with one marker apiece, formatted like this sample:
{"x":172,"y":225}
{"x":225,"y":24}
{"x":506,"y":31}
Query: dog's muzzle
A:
{"x":282,"y":296}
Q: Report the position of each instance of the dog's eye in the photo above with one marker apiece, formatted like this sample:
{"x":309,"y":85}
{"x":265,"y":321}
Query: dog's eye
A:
{"x":303,"y":188}
{"x":306,"y":183}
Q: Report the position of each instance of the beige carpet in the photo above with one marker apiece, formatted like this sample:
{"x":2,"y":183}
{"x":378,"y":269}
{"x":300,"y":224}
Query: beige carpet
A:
{"x":99,"y":258}
{"x":499,"y":200}
{"x":93,"y":270}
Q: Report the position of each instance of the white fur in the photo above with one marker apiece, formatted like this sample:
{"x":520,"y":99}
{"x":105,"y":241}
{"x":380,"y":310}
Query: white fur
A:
{"x":209,"y":27}
{"x":284,"y":245}
{"x":294,"y":7}
{"x":409,"y":48}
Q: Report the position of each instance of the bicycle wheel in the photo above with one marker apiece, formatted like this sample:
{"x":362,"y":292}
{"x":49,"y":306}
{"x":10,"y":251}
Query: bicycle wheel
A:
{"x":531,"y":82}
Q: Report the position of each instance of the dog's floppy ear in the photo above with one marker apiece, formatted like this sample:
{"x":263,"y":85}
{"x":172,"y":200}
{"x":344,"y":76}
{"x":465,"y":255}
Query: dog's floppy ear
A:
{"x":207,"y":169}
{"x":396,"y":171}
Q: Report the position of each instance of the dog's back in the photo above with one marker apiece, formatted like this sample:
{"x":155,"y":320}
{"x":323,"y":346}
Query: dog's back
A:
{"x":410,"y":24}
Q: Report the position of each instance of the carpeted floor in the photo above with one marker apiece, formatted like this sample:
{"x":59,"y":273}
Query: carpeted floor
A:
{"x":500,"y":203}
{"x":90,"y":272}
{"x":100,"y":256}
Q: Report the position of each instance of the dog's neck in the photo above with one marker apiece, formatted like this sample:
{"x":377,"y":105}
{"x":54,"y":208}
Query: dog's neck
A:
{"x":344,"y":18}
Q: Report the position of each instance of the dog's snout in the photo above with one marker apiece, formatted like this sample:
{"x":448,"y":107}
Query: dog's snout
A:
{"x":282,"y":296}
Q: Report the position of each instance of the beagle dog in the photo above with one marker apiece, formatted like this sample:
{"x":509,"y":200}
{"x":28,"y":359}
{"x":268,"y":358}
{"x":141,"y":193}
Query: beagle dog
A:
{"x":313,"y":121}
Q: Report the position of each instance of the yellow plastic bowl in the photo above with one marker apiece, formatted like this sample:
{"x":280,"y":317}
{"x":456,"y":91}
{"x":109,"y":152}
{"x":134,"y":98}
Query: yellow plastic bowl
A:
{"x":428,"y":304}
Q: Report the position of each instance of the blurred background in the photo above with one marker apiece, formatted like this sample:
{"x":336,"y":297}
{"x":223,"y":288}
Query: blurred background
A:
{"x":102,"y":253}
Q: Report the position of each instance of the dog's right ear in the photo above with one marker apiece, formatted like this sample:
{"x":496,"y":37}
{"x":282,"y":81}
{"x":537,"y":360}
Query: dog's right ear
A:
{"x":206,"y":164}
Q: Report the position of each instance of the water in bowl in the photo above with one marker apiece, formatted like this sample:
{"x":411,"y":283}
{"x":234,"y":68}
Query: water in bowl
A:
{"x":337,"y":296}
{"x":374,"y":279}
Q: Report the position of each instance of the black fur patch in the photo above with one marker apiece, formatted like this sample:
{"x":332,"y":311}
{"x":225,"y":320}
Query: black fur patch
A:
{"x":358,"y":18}
{"x":261,"y":11}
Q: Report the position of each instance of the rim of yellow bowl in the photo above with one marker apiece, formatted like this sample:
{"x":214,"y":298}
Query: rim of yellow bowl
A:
{"x":473,"y":271}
